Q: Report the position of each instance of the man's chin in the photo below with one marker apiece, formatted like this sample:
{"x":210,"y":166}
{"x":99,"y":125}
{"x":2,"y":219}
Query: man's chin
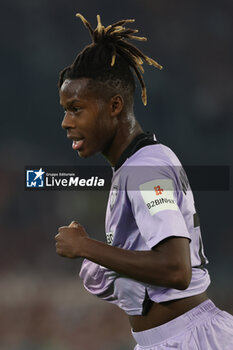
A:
{"x":82,"y":154}
{"x":85,"y":153}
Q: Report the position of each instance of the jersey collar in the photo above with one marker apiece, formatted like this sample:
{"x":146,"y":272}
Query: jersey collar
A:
{"x":141,"y":140}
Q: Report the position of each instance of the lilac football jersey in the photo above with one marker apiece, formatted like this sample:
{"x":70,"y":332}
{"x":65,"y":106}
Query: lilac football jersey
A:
{"x":150,"y":200}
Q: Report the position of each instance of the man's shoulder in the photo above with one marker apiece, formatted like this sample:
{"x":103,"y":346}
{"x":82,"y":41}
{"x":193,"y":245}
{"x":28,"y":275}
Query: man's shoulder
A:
{"x":149,"y":163}
{"x":153,"y":155}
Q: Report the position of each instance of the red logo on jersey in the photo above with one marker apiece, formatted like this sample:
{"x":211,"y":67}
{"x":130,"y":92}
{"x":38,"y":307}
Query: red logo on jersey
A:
{"x":158,"y":190}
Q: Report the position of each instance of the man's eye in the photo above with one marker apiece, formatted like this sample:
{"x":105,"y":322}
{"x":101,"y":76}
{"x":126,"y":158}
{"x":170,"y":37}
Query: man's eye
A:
{"x":76,"y":109}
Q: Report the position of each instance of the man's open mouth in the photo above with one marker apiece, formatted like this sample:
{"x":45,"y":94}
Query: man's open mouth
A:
{"x":77,"y":144}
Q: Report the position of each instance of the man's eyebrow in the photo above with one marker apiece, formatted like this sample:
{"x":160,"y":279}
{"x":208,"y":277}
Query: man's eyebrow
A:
{"x":71,"y":102}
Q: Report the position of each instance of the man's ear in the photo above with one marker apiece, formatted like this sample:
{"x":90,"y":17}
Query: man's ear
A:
{"x":116,"y":105}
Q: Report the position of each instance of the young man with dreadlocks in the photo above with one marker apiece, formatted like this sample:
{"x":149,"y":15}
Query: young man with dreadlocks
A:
{"x":153,"y":264}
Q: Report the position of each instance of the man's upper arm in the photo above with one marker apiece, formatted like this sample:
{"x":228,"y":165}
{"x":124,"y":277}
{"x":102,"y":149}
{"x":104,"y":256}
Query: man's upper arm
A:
{"x":154,"y":203}
{"x":176,"y":254}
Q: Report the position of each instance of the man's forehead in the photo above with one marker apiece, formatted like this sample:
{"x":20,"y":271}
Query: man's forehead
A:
{"x":74,"y":87}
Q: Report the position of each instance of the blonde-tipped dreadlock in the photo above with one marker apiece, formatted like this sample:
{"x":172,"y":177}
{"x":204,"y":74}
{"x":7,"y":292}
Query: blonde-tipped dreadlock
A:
{"x":108,"y":58}
{"x":117,"y":35}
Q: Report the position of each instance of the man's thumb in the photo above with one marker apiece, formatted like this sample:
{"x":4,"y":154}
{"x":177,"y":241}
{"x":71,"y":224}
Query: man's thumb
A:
{"x":73,"y":224}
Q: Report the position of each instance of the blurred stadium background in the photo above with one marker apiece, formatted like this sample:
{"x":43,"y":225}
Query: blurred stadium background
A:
{"x":43,"y":305}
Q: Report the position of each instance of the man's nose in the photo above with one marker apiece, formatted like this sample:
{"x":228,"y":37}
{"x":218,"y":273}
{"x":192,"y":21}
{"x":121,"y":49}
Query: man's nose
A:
{"x":68,"y":121}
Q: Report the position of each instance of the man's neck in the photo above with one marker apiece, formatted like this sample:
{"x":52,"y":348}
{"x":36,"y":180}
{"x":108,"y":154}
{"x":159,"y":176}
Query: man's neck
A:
{"x":124,"y":136}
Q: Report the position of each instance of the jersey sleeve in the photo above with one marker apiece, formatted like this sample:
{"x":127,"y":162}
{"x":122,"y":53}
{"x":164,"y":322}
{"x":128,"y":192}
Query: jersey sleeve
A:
{"x":154,"y":196}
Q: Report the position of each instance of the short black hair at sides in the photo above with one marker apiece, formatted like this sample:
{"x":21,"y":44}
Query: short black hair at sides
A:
{"x":108,"y":60}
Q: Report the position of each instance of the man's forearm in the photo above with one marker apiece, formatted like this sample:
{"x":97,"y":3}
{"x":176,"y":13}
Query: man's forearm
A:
{"x":152,"y":266}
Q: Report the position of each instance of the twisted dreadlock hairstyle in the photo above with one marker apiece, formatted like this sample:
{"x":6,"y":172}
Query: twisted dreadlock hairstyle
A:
{"x":109,"y":57}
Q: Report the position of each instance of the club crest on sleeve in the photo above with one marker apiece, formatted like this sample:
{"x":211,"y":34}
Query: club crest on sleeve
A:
{"x":158,"y":195}
{"x":113,"y":196}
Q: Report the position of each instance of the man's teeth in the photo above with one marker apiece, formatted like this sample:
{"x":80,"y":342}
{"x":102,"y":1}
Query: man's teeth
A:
{"x":77,"y":144}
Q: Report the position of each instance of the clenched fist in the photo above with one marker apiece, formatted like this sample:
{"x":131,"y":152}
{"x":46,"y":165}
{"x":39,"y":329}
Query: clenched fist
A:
{"x":70,"y":240}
